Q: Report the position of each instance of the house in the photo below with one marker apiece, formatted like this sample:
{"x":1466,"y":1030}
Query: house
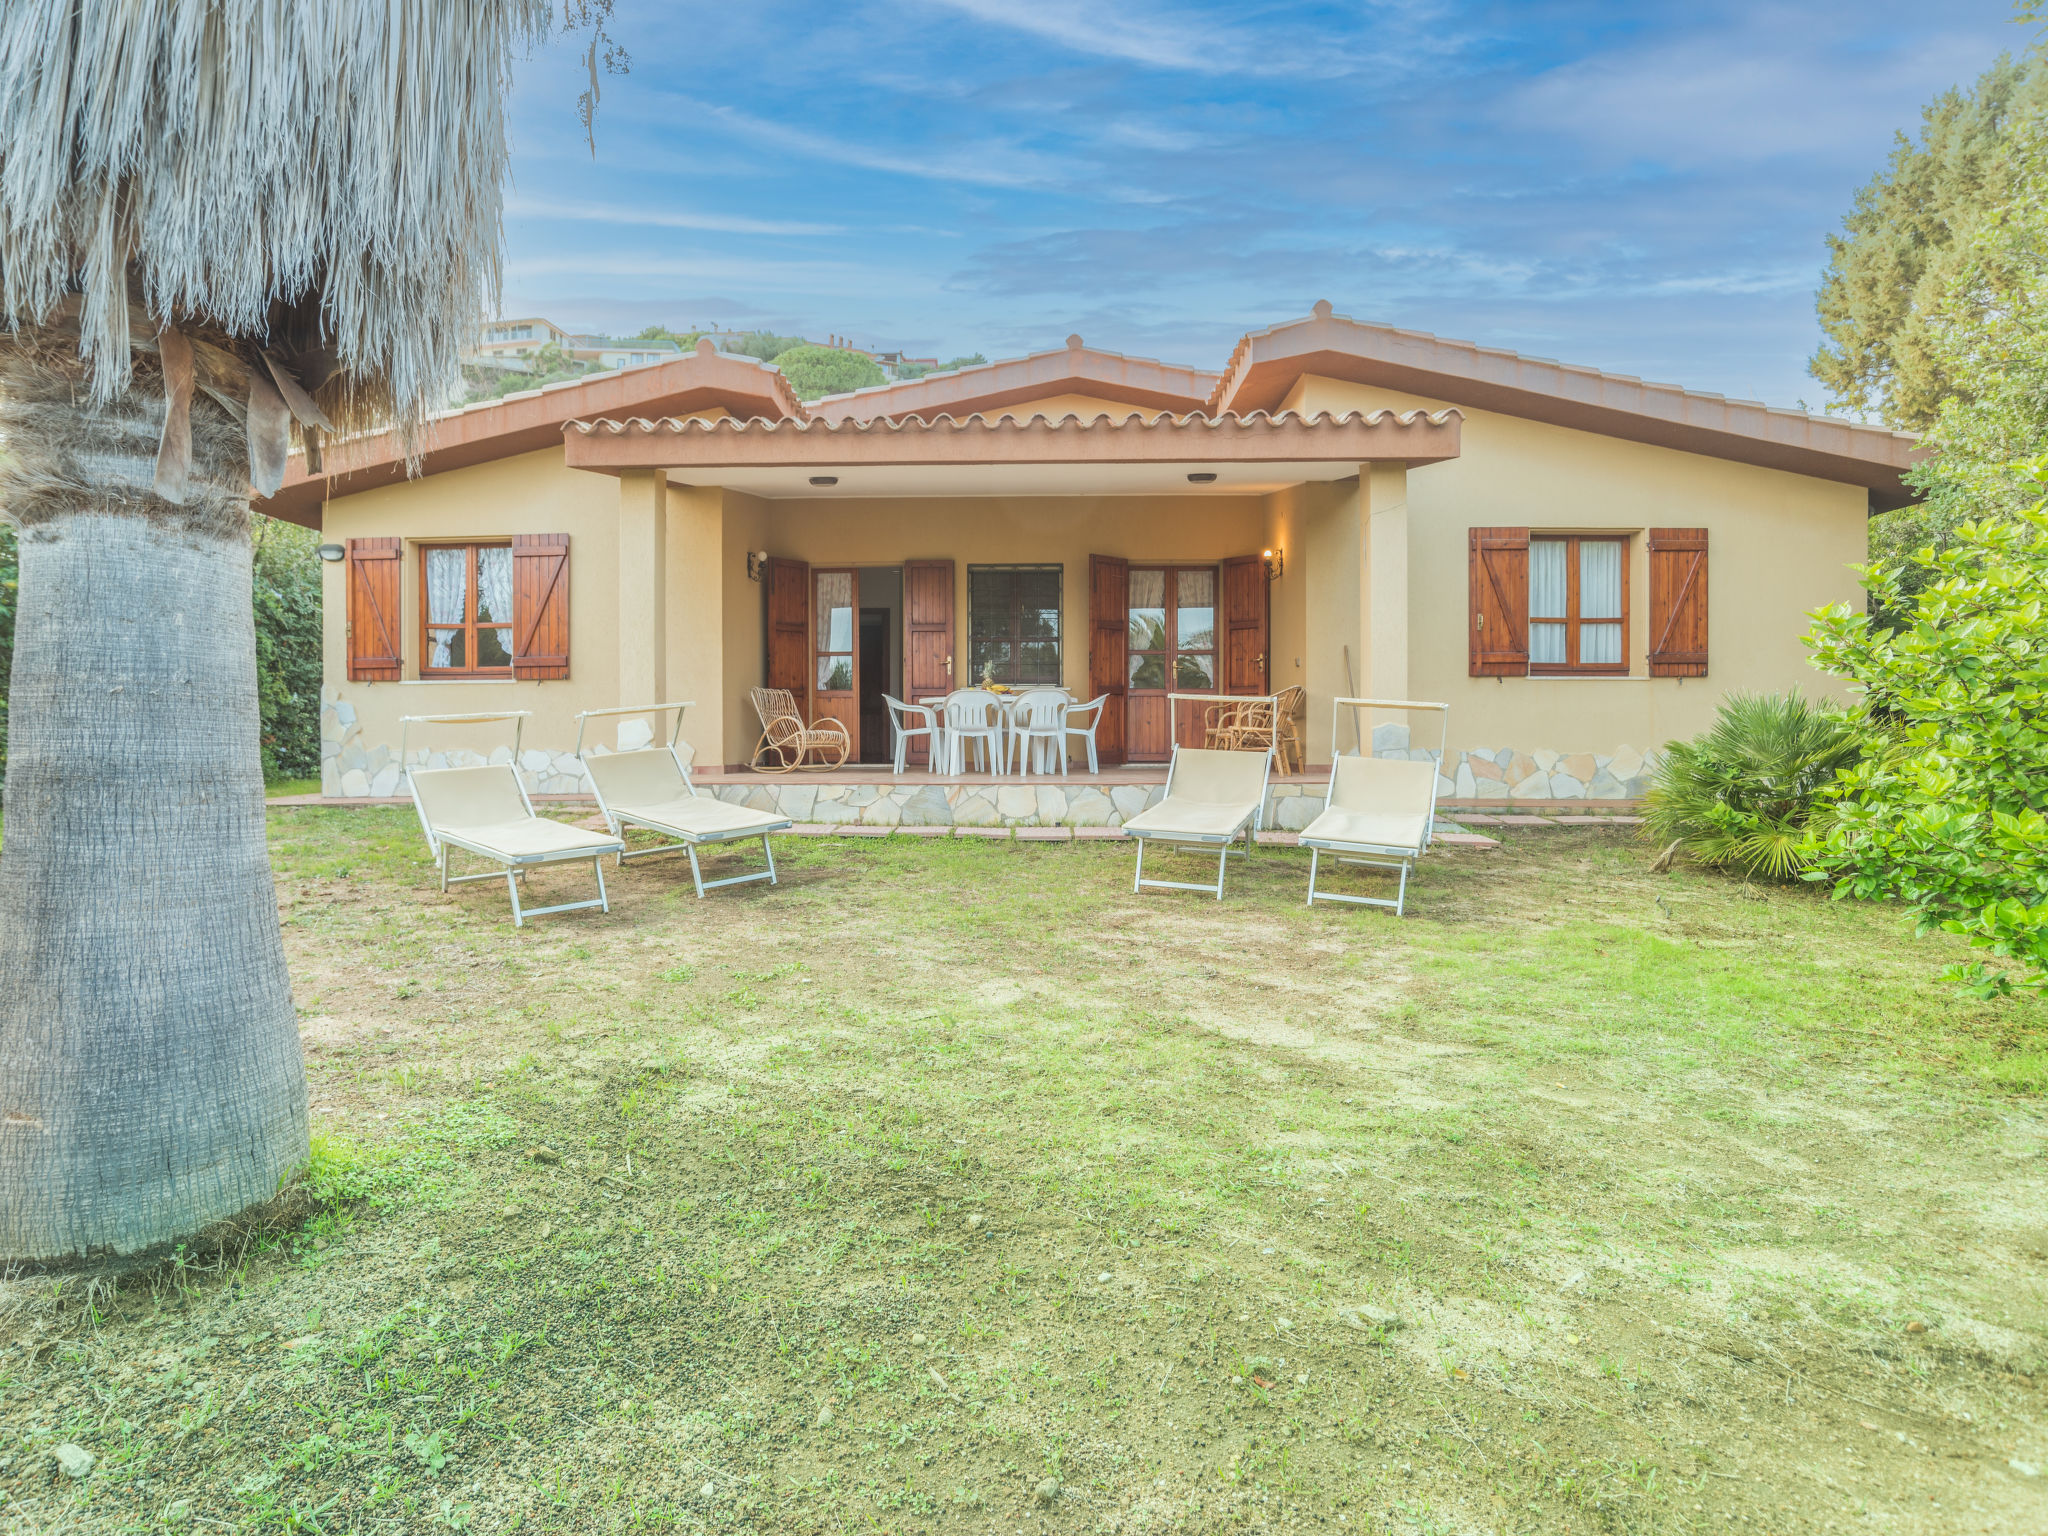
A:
{"x":614,"y":352}
{"x":1579,"y":563}
{"x":500,"y":341}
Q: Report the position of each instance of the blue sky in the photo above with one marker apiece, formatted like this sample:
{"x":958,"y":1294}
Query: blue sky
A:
{"x":1644,"y":188}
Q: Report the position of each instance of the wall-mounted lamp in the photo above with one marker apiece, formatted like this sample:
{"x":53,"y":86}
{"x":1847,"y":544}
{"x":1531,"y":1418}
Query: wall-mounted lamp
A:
{"x":756,"y":559}
{"x":1201,"y":476}
{"x":824,"y":479}
{"x":332,"y":552}
{"x":1276,"y":562}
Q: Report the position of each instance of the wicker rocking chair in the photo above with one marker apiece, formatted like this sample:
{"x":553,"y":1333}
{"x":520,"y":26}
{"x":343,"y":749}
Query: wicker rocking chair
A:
{"x":787,"y":743}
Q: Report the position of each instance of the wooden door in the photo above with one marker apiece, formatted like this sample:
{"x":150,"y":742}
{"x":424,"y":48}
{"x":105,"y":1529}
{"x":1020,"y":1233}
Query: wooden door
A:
{"x":1109,"y":638}
{"x":1245,"y":640}
{"x":927,"y":637}
{"x":835,"y":641}
{"x":1173,"y":647}
{"x":789,"y":630}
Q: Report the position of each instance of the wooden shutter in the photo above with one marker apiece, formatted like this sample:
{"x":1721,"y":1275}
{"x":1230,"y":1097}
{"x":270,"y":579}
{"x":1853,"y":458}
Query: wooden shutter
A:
{"x":1499,"y":632}
{"x":1244,"y":626}
{"x":789,"y":629}
{"x":1678,"y":602}
{"x":927,"y":638}
{"x":374,"y":570}
{"x":540,"y":606}
{"x":1109,"y":649}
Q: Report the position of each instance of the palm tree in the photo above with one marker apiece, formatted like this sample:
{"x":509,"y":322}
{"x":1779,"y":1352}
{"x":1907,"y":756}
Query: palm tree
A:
{"x":218,"y":218}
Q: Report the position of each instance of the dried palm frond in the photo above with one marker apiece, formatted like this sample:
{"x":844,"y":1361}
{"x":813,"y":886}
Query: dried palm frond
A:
{"x":318,"y":180}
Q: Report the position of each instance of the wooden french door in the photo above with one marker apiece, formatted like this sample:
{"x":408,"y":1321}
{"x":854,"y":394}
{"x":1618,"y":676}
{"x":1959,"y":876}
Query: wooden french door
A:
{"x":1109,"y":631}
{"x":927,"y":637}
{"x":835,"y":634}
{"x":789,"y":629}
{"x":1158,"y":629}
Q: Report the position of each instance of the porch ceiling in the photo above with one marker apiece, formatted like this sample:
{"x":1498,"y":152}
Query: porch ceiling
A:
{"x":1005,"y":456}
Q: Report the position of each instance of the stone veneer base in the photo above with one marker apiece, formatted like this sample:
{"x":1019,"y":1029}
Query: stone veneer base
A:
{"x":1507,"y":775}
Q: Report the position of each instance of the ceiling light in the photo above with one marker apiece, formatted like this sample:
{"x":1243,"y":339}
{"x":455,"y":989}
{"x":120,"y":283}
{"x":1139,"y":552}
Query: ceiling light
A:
{"x":1201,"y":476}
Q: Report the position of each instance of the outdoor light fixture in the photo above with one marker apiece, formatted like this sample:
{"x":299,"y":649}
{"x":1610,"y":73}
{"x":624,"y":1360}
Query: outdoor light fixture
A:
{"x":332,"y":552}
{"x":1201,"y":476}
{"x":824,"y":479}
{"x":1276,"y":562}
{"x":756,"y":559}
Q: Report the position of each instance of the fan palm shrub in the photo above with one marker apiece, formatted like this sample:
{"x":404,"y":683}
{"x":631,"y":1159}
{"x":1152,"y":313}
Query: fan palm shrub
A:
{"x":1739,"y":796}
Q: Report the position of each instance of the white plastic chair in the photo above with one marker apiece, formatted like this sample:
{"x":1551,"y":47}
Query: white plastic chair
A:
{"x":1093,"y":710}
{"x":900,"y":732}
{"x":1040,"y":715}
{"x":973,"y":716}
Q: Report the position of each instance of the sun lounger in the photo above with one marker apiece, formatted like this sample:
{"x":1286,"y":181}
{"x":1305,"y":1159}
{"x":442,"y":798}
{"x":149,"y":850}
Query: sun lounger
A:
{"x":484,"y":811}
{"x":1379,"y":811}
{"x":1211,"y":797}
{"x":650,"y":787}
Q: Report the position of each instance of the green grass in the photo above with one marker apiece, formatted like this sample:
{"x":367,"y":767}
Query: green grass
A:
{"x":808,"y":1194}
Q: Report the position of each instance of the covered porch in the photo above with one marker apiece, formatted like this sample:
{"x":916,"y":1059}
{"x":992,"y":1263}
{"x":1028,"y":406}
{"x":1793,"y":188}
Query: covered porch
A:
{"x":1119,"y":559}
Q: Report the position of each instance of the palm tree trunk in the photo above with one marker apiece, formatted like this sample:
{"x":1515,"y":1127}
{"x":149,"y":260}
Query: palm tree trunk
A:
{"x":150,"y":1076}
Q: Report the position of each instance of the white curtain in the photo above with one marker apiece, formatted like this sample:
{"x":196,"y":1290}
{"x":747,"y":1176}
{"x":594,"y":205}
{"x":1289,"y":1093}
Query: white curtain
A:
{"x":447,"y":598}
{"x":447,"y":586}
{"x":494,"y":599}
{"x":835,"y":611}
{"x":1599,"y":598}
{"x":1547,"y":582}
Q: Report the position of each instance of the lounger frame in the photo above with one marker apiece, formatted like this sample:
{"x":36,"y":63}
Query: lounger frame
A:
{"x":1196,"y":840}
{"x":1374,"y":855}
{"x":618,"y":818}
{"x":513,"y":866}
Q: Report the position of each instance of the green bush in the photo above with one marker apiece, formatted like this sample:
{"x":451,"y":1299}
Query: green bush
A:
{"x":286,"y":591}
{"x":1738,"y":797}
{"x":1949,"y":819}
{"x":816,"y":371}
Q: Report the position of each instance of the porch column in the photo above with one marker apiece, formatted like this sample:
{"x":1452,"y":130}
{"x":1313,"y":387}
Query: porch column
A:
{"x":643,"y":497}
{"x":699,"y":570}
{"x":1383,"y":490}
{"x":1331,"y":559}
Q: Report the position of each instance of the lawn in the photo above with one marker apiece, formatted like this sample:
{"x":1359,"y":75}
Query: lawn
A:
{"x":951,"y":1187}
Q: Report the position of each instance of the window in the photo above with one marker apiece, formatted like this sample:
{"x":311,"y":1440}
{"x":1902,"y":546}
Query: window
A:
{"x":1578,"y":605}
{"x":466,"y":612}
{"x":835,"y":631}
{"x":1173,"y":629}
{"x":1013,"y":624}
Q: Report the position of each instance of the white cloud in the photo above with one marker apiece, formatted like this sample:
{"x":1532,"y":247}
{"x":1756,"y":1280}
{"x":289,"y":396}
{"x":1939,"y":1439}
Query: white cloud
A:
{"x":988,"y":163}
{"x":660,"y":218}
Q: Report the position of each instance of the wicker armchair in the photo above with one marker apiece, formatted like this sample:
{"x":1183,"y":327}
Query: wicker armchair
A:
{"x":1252,"y":729}
{"x":1293,"y":705}
{"x":1219,"y":726}
{"x":787,"y":743}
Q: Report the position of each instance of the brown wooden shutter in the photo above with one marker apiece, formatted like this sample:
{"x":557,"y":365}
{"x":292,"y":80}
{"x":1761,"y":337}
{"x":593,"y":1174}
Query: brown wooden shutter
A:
{"x":1109,"y":649}
{"x":1678,"y":602}
{"x":374,"y":570}
{"x":789,"y":629}
{"x":927,"y":639}
{"x":540,"y":606}
{"x":1499,"y":560}
{"x":1245,"y":626}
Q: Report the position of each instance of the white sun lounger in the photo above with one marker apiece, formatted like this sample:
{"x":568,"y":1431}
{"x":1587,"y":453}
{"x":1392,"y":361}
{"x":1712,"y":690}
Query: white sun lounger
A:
{"x":485,"y":811}
{"x":1380,"y":811}
{"x":1211,"y":797}
{"x":650,"y":787}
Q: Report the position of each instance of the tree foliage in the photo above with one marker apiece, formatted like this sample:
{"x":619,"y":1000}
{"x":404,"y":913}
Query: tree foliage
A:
{"x":1946,"y":814}
{"x":765,"y":345}
{"x":815,"y":371}
{"x":1739,"y":796}
{"x":286,"y":583}
{"x":1889,"y":287}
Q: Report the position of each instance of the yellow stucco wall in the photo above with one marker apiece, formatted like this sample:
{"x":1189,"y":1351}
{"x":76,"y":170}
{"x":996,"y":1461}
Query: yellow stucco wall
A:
{"x":661,"y":604}
{"x":528,"y":493}
{"x":1780,"y":545}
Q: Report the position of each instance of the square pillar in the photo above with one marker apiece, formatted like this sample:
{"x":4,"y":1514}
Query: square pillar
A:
{"x":1383,"y":489}
{"x":643,"y":527}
